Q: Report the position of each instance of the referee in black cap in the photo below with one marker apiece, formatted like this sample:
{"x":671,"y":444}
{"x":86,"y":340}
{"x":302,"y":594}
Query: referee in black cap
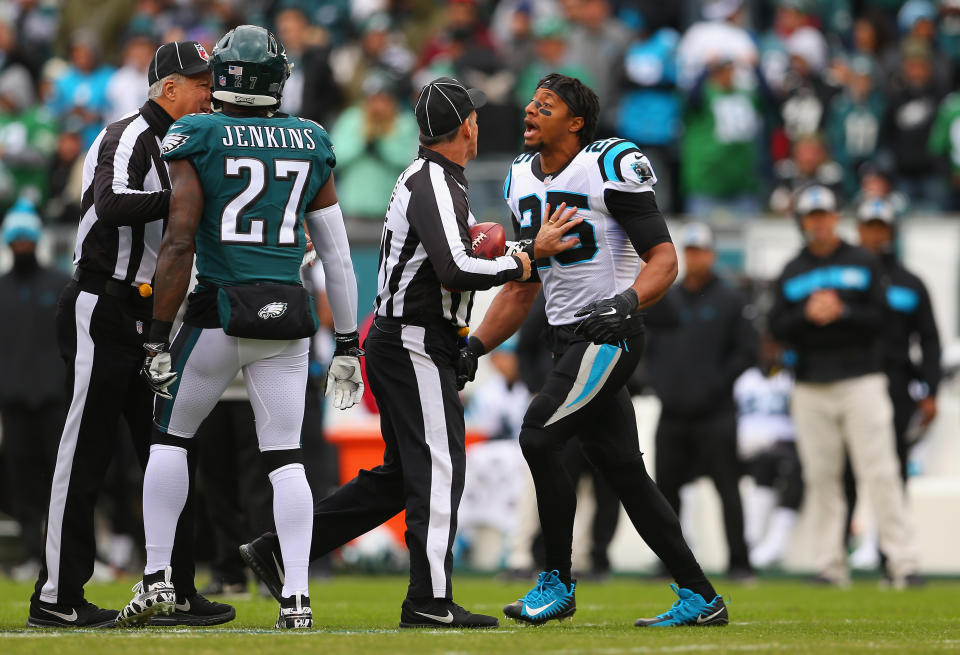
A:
{"x":426,"y":279}
{"x":103,"y":319}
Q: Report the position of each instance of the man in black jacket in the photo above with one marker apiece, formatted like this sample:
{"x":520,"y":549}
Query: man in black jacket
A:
{"x":700,"y":341}
{"x":31,"y":400}
{"x":829,"y":306}
{"x":909,"y":319}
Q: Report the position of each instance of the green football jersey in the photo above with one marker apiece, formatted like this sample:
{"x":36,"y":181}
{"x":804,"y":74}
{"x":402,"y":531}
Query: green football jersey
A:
{"x":258,"y":174}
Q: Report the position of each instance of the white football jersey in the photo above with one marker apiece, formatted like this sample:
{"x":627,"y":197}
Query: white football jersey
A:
{"x":605,"y":263}
{"x":763,"y":403}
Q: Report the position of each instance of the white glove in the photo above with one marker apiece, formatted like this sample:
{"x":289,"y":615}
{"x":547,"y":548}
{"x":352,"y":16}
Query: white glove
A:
{"x":156,"y":368}
{"x":344,"y":381}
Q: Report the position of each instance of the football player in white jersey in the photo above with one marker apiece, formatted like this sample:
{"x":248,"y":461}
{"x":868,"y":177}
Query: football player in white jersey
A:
{"x":594,"y":293}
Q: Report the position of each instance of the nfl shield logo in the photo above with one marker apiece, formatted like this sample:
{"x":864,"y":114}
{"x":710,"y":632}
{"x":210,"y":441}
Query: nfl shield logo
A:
{"x":139,"y":327}
{"x":223,"y":80}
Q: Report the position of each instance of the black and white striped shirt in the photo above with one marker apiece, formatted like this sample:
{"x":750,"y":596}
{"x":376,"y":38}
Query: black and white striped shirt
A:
{"x":126,"y":197}
{"x":425,"y":249}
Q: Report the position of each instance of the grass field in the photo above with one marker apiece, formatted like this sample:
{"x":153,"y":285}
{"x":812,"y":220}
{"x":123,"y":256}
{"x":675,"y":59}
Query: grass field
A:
{"x":360,"y":615}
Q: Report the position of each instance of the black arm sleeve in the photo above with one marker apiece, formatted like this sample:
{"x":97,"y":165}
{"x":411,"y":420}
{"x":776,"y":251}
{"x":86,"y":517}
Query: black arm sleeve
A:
{"x":639,"y":217}
{"x":118,"y":183}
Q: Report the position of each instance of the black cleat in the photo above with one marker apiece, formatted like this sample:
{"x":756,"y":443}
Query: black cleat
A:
{"x":196,"y":610}
{"x":295,"y":613}
{"x":441,"y":613}
{"x":263,"y":557}
{"x":87,"y":615}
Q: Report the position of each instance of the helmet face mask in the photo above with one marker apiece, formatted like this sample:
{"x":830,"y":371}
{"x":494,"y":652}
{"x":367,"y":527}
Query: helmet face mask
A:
{"x":250,"y":67}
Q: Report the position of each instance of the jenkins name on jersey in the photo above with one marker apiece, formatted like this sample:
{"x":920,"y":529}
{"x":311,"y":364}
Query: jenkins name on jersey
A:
{"x":606,"y":180}
{"x":257,"y":174}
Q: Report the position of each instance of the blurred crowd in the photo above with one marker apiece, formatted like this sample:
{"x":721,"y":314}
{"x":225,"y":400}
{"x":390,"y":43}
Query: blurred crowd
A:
{"x":736,"y":102}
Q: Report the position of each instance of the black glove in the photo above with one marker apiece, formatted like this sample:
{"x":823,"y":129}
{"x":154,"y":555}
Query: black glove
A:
{"x":156,"y":368}
{"x":467,"y":361}
{"x":604,"y":322}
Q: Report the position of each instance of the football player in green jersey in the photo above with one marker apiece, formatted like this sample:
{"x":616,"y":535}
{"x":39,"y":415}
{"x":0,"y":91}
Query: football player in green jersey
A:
{"x":245,"y":179}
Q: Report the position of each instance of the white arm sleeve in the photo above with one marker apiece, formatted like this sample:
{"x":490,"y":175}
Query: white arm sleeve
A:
{"x":330,"y":241}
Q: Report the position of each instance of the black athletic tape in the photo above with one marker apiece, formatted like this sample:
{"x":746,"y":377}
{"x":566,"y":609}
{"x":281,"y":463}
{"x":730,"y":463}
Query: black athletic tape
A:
{"x":274,"y":459}
{"x":164,"y":439}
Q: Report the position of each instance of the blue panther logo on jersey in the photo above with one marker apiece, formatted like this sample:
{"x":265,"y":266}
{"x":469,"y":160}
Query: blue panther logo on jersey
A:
{"x":642,"y":168}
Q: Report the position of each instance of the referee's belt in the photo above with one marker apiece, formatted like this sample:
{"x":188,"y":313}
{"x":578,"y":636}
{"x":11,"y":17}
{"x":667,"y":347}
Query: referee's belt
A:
{"x":101,"y":284}
{"x":420,"y":321}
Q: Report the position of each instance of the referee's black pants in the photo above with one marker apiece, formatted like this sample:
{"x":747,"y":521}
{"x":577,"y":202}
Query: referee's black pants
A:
{"x":691,"y":446}
{"x":585,"y":395}
{"x":411,"y":373}
{"x":101,"y":340}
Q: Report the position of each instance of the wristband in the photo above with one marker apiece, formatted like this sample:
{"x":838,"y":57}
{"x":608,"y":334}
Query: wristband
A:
{"x":159,"y":331}
{"x":476,"y":347}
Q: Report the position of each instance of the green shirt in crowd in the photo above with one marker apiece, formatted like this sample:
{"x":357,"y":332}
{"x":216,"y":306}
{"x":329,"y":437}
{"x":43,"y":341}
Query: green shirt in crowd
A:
{"x":368,"y":170}
{"x":945,"y":134}
{"x":719,"y":146}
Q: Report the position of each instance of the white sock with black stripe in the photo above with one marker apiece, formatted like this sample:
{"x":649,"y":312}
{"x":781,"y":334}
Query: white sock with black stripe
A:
{"x":165,"y":485}
{"x":293,"y":514}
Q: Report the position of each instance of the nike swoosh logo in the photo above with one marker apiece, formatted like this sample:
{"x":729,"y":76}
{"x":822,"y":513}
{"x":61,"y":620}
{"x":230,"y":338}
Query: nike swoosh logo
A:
{"x":72,"y":616}
{"x":611,"y":312}
{"x":279,"y":568}
{"x":701,"y":619}
{"x":185,"y":606}
{"x":533,"y":611}
{"x":443,"y":619}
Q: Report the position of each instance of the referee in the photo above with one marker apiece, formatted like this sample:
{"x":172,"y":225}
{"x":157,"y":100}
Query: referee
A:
{"x":426,"y":277}
{"x":103,"y":319}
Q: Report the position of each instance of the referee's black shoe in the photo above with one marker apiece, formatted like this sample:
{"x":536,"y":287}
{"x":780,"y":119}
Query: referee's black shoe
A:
{"x":196,"y":610}
{"x":87,"y":615}
{"x":263,"y":557}
{"x":441,"y":613}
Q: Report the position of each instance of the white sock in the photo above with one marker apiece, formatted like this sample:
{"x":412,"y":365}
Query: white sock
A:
{"x":165,"y":486}
{"x":293,"y":514}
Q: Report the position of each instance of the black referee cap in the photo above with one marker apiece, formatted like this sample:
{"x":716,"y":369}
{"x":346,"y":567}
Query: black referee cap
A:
{"x":444,"y":104}
{"x":184,"y":57}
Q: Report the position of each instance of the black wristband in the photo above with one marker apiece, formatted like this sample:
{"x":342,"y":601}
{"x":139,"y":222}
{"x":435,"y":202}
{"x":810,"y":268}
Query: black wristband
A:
{"x":476,"y":347}
{"x":159,"y":331}
{"x":347,"y":344}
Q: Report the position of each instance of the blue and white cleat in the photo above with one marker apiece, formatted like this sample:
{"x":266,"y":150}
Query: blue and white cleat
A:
{"x":690,"y":609}
{"x":550,"y":599}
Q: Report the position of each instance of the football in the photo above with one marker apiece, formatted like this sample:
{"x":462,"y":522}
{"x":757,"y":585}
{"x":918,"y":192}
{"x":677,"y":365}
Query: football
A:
{"x":488,"y":240}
